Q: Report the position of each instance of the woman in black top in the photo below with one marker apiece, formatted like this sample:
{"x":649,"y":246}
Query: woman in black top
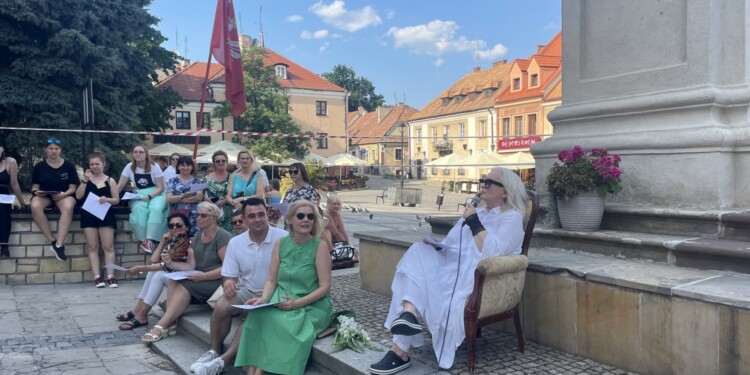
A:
{"x":54,"y":181}
{"x":99,"y":231}
{"x":8,"y":182}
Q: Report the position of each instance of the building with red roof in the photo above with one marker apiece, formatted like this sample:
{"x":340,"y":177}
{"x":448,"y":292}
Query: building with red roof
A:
{"x":369,"y":131}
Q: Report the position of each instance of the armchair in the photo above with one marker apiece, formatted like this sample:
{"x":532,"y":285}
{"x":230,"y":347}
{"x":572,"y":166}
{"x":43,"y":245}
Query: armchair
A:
{"x":498,"y":285}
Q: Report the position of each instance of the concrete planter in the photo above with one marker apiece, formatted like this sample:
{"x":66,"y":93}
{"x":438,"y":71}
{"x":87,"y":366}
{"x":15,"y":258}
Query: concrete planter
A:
{"x":583,"y":211}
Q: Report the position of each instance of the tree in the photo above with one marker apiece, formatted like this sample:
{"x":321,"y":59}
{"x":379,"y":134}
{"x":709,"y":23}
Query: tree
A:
{"x":361,"y":90}
{"x":51,"y":50}
{"x":267,"y":111}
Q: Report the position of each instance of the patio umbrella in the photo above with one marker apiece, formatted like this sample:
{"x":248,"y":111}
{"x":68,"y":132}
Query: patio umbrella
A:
{"x":343,"y":160}
{"x":523,"y":160}
{"x":232,"y":149}
{"x":445,"y":160}
{"x":285,"y":162}
{"x":168,"y":149}
{"x":311,"y":157}
{"x":480,"y":161}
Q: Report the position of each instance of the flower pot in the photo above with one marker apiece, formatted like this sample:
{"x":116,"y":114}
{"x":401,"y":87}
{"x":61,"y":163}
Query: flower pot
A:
{"x":583,"y":211}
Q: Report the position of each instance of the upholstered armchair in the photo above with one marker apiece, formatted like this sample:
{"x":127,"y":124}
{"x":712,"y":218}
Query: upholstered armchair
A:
{"x":498,"y":285}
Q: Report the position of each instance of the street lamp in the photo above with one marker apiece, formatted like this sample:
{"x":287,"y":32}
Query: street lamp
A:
{"x":402,"y":127}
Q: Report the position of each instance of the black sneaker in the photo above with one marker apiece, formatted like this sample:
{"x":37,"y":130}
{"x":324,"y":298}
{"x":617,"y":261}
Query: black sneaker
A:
{"x":390,"y":364}
{"x":59,"y":251}
{"x":406,"y":324}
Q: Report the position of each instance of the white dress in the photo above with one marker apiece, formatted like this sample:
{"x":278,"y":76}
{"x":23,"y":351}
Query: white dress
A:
{"x":427,"y":277}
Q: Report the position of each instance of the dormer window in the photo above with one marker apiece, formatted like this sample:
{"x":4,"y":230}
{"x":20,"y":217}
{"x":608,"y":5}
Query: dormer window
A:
{"x":459,"y":98}
{"x":534,"y":80}
{"x":516,"y":83}
{"x":488,"y":92}
{"x":445,"y":101}
{"x":281,"y":71}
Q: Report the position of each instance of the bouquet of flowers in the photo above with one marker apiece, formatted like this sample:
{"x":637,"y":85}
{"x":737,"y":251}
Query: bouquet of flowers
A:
{"x":584,"y":171}
{"x":349,"y":334}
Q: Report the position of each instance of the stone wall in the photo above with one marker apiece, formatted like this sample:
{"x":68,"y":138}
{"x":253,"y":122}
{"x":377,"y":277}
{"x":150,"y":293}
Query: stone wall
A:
{"x":33,"y":262}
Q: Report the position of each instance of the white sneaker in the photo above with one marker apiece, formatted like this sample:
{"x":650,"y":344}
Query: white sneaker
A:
{"x":206,"y":357}
{"x":215,"y":367}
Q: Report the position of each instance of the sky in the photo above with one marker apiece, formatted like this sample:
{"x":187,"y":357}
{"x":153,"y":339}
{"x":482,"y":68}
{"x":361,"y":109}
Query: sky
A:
{"x":411,"y":50}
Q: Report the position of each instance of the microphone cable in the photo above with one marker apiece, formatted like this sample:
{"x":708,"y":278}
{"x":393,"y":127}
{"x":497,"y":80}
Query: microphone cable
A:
{"x":453,"y":292}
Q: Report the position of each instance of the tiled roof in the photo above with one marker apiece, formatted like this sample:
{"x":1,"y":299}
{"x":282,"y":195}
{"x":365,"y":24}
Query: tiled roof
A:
{"x":188,"y":82}
{"x":554,"y":47}
{"x":297,"y":76}
{"x":474,"y":82}
{"x":523,"y":63}
{"x":543,"y":60}
{"x":547,"y":61}
{"x":368,"y":125}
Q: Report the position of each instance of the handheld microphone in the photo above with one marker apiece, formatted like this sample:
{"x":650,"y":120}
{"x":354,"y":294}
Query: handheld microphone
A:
{"x":476,"y":200}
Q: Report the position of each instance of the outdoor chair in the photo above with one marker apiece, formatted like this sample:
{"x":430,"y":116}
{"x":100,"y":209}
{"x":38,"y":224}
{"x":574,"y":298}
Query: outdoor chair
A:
{"x":466,"y":202}
{"x":498,"y":285}
{"x":382,"y":196}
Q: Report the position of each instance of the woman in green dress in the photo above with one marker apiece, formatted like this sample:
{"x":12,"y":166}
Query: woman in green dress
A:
{"x":216,"y":191}
{"x":278,"y":339}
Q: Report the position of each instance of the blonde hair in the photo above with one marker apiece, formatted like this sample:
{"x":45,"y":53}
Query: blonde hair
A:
{"x":333,"y":198}
{"x":147,"y":166}
{"x":516,"y":199}
{"x":317,"y":228}
{"x":212,"y":209}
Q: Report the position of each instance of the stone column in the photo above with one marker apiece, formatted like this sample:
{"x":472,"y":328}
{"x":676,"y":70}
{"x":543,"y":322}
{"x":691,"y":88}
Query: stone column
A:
{"x":665,"y":85}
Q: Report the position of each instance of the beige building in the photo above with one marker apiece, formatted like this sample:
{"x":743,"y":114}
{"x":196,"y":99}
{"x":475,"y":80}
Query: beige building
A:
{"x":377,"y":138}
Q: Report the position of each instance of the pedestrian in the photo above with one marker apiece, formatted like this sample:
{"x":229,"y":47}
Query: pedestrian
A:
{"x":148,"y":213}
{"x":99,"y":232}
{"x":179,"y":196}
{"x":53,"y":182}
{"x":8,"y":183}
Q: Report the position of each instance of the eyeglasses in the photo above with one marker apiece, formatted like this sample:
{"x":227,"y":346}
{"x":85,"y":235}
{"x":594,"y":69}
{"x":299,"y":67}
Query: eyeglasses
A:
{"x":175,"y":225}
{"x":175,"y":159}
{"x":202,"y":215}
{"x":53,"y":140}
{"x":139,"y":152}
{"x":220,"y":161}
{"x":301,"y":216}
{"x":293,"y":171}
{"x":486,"y":182}
{"x":238,"y":222}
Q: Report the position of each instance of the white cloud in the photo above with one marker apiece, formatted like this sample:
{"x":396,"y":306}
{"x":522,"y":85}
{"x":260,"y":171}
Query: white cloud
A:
{"x":390,"y":14}
{"x":349,"y":20}
{"x":550,"y":26}
{"x":319,"y":34}
{"x":294,"y":18}
{"x":324,"y":47}
{"x":438,"y":38}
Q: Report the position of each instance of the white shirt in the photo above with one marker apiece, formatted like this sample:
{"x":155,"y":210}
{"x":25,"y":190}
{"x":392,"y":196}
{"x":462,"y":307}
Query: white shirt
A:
{"x":155,"y":172}
{"x":249,"y":261}
{"x":169,"y":172}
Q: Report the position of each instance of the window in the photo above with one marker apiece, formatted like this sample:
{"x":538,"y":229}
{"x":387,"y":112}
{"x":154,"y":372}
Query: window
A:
{"x":321,"y":140}
{"x":482,"y":128}
{"x":519,"y":125}
{"x":516,"y":83}
{"x":532,"y":123}
{"x":488,"y":92}
{"x":446,"y":131}
{"x":459,"y":98}
{"x":206,"y":119}
{"x":534,"y":80}
{"x":461,"y":131}
{"x":434,"y":134}
{"x":445,"y":101}
{"x":182,"y":119}
{"x":321,"y":108}
{"x":399,"y":154}
{"x":418,"y":131}
{"x":281,"y":71}
{"x":506,"y":127}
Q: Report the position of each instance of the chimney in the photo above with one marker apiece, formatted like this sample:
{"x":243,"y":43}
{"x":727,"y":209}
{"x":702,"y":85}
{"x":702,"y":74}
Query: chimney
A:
{"x":361,"y":110}
{"x":245,"y":42}
{"x":501,"y":62}
{"x":539,"y":48}
{"x":383,"y":111}
{"x":476,"y":69}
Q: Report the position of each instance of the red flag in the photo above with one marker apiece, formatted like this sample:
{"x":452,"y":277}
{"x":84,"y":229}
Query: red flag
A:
{"x":225,"y":47}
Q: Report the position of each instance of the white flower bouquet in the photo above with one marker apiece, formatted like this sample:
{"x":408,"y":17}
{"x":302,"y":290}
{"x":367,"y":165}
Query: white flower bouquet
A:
{"x":349,"y":334}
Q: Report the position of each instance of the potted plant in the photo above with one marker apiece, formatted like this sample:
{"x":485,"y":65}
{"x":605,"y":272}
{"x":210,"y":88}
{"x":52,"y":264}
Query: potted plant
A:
{"x":580,"y":185}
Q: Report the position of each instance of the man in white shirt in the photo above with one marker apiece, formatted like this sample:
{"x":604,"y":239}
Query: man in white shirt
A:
{"x":245,"y":269}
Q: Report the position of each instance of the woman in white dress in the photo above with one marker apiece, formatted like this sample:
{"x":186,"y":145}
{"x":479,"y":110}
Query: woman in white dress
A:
{"x":438,"y":298}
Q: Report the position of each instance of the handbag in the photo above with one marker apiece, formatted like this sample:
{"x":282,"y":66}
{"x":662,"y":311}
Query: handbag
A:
{"x":249,"y":180}
{"x":215,"y":297}
{"x":342,"y":251}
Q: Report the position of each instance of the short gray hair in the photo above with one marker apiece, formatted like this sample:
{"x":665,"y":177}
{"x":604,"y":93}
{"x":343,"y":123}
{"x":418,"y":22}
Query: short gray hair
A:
{"x":212,"y":209}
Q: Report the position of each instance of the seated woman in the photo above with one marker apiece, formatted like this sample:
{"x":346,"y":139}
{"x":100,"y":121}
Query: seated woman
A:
{"x":279,"y":339}
{"x":301,"y":188}
{"x":245,"y":182}
{"x":8,"y":182}
{"x":208,"y":247}
{"x":172,"y":254}
{"x":438,"y":298}
{"x":335,"y":228}
{"x":147,"y":214}
{"x":54,"y":181}
{"x":218,"y":186}
{"x":179,"y":197}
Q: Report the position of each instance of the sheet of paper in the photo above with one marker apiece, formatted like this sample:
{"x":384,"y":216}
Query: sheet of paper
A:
{"x":253,"y":307}
{"x":115,"y":267}
{"x":282,"y":207}
{"x":180,"y":275}
{"x":194,"y":188}
{"x":128,"y":196}
{"x":7,"y":199}
{"x":95,"y":208}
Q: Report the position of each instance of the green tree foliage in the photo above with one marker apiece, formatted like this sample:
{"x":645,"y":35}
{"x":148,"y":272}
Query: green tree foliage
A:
{"x":50,"y":50}
{"x":361,"y":90}
{"x":267,"y":111}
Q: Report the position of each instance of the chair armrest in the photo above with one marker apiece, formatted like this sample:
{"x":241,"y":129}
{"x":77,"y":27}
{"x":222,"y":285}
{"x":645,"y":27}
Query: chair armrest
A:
{"x":498,"y":285}
{"x":503,"y":264}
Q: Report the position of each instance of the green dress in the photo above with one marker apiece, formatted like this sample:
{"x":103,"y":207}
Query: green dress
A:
{"x":217,"y":190}
{"x":280,"y":341}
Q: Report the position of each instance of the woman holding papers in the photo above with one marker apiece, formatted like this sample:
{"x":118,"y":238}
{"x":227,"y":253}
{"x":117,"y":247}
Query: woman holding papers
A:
{"x":147,"y":214}
{"x":179,"y":196}
{"x":246,"y":181}
{"x":279,"y":339}
{"x":433,"y":281}
{"x":8,"y":182}
{"x":218,"y":187}
{"x":99,"y":232}
{"x":54,"y":181}
{"x":173,"y":253}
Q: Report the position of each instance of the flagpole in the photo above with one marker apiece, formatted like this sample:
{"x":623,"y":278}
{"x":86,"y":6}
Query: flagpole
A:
{"x":203,"y":103}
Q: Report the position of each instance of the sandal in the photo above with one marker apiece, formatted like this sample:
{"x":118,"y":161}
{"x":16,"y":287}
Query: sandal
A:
{"x":132,"y":324}
{"x":163,"y":332}
{"x":125,"y":317}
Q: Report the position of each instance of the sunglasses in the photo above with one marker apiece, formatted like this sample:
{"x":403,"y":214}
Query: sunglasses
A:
{"x":175,"y":225}
{"x":238,"y":222}
{"x":486,"y":182}
{"x":139,"y":152}
{"x":53,"y":140}
{"x":175,"y":159}
{"x":293,"y":171}
{"x":202,"y":216}
{"x":220,"y":161}
{"x":301,"y":216}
